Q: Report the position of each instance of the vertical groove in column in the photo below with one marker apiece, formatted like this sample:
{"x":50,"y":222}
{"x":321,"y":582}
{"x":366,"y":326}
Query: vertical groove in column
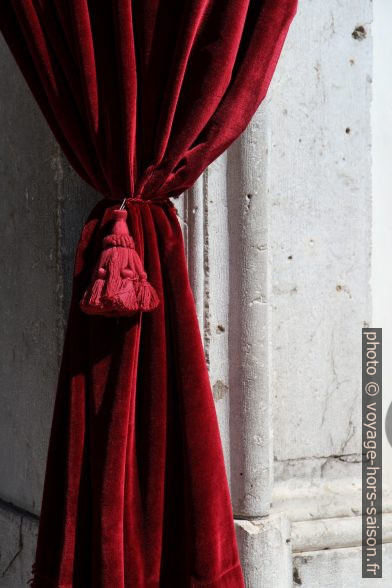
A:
{"x":206,"y":270}
{"x":195,"y":250}
{"x":249,"y":353}
{"x":216,"y":293}
{"x":225,"y":226}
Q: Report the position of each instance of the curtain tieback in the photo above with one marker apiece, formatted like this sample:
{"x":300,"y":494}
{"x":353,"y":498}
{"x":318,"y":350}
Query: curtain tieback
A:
{"x":137,"y":200}
{"x":119,"y":285}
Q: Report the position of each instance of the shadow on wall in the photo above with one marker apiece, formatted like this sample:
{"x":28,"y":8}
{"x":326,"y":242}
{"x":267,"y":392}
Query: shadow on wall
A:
{"x":42,"y":210}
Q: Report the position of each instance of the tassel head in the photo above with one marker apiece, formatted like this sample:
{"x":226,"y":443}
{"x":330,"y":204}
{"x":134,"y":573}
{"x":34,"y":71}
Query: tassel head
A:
{"x":119,"y":285}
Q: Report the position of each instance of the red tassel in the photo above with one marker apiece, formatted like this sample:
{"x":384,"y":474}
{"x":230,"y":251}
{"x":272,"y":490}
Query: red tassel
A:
{"x":147,"y":297}
{"x":119,"y":286}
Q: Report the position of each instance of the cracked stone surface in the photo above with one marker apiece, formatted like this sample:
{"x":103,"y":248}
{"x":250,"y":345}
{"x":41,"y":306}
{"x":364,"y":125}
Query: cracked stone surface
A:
{"x":338,"y":567}
{"x":18,"y":536}
{"x":42,"y":209}
{"x":320,"y":228}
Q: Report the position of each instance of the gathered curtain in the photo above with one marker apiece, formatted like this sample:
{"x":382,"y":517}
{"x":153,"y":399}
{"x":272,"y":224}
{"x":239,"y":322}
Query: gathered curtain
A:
{"x":142,"y":96}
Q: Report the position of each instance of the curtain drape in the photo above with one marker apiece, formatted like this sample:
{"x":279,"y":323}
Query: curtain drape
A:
{"x":141,"y":96}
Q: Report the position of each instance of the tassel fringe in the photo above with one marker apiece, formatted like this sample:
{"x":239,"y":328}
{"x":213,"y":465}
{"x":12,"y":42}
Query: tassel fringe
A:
{"x":119,"y":286}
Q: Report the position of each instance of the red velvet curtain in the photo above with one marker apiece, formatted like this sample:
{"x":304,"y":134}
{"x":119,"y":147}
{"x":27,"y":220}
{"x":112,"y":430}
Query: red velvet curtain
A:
{"x":141,"y":96}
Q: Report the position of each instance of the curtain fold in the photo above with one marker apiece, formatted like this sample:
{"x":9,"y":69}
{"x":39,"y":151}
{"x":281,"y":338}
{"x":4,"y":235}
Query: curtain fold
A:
{"x":141,"y":96}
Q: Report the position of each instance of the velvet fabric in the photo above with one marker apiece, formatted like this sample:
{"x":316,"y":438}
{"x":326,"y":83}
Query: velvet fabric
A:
{"x":141,"y":96}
